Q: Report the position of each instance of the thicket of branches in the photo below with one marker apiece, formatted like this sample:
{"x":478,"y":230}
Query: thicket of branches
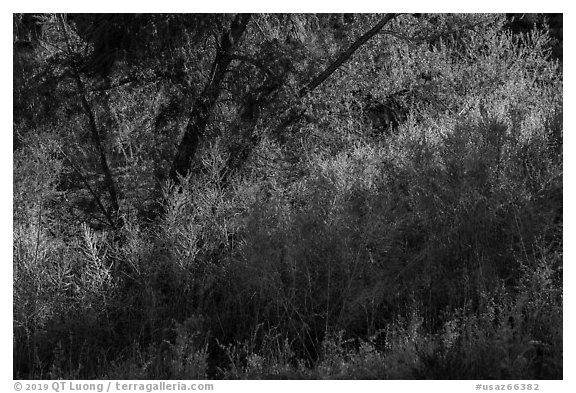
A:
{"x":287,"y":196}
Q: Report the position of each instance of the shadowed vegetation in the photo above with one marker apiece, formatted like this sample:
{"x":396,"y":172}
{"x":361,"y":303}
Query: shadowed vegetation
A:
{"x":288,"y":196}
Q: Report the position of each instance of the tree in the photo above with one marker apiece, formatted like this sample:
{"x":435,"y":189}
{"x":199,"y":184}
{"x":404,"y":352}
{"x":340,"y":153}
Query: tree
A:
{"x":261,"y":189}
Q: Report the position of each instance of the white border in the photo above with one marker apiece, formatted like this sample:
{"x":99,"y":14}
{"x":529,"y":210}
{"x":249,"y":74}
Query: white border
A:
{"x":296,"y":6}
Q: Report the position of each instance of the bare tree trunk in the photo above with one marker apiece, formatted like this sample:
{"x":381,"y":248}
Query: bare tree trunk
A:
{"x":97,"y":140}
{"x":249,"y":117}
{"x":203,"y":106}
{"x":113,"y":217}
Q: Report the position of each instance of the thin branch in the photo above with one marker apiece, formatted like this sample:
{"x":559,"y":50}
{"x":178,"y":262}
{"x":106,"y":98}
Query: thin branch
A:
{"x":90,"y":189}
{"x":260,"y":29}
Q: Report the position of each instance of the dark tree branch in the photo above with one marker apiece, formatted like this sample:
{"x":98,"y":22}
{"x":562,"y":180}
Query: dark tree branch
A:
{"x":345,"y":56}
{"x":90,"y":189}
{"x":96,"y":139}
{"x":252,"y":103}
{"x":295,"y":115}
{"x":203,"y":106}
{"x":247,"y":121}
{"x":240,"y":152}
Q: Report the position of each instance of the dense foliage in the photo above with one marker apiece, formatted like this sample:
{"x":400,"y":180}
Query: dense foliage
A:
{"x":272,"y":196}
